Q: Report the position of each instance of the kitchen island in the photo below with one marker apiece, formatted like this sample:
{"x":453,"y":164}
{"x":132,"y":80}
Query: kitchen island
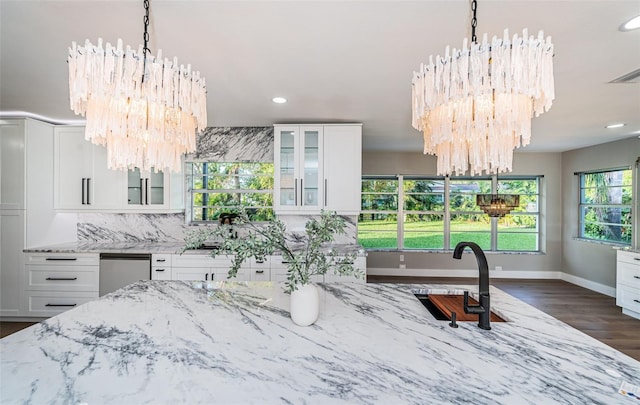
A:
{"x":233,"y":342}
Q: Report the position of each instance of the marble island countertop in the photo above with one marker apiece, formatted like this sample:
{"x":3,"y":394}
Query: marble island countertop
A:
{"x":176,"y":342}
{"x":152,"y":247}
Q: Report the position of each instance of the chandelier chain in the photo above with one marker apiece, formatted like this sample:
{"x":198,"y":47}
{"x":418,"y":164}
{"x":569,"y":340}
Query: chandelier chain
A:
{"x":145,"y":38}
{"x":474,"y":21}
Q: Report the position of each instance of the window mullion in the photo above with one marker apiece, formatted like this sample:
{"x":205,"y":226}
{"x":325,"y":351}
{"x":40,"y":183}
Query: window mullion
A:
{"x":400,"y":215}
{"x":447,"y":216}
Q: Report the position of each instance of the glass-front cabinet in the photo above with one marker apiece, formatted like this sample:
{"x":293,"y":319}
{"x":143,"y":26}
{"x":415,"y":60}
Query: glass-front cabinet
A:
{"x":146,"y":188}
{"x":298,"y":168}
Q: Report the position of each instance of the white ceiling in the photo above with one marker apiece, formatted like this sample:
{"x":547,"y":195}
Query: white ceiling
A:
{"x":335,"y":61}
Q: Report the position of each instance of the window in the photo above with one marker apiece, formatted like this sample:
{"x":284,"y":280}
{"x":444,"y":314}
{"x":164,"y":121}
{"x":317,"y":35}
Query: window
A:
{"x":378,"y":224}
{"x":605,"y":206}
{"x":215,"y":188}
{"x":437,"y":213}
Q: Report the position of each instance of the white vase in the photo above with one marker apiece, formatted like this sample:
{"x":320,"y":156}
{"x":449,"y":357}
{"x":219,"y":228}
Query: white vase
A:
{"x":305,"y":305}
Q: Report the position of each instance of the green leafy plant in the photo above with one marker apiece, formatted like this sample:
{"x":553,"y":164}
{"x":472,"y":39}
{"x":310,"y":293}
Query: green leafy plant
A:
{"x":306,"y":256}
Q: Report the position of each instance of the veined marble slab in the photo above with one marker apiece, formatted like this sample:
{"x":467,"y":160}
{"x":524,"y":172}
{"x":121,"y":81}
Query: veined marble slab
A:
{"x":234,"y":144}
{"x":108,"y":227}
{"x":176,"y":342}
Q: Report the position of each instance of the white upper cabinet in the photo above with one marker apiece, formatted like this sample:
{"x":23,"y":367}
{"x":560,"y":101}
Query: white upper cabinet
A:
{"x":82,"y":180}
{"x":317,"y":167}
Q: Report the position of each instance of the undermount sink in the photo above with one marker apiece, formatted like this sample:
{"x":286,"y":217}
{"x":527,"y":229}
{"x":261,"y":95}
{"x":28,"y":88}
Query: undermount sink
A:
{"x":442,"y":305}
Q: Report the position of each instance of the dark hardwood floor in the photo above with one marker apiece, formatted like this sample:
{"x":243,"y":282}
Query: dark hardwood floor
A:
{"x":590,"y":312}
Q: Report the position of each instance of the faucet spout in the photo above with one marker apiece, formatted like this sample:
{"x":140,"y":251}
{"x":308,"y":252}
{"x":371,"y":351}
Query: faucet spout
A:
{"x":483,"y":267}
{"x":484,"y":309}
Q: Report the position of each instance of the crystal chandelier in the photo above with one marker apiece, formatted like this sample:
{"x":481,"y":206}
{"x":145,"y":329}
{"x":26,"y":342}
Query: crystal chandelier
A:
{"x":144,"y":109}
{"x":474,"y":105}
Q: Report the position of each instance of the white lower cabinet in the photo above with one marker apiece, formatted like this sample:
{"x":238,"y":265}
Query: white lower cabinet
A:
{"x":161,"y":268}
{"x":628,"y":283}
{"x":56,"y":282}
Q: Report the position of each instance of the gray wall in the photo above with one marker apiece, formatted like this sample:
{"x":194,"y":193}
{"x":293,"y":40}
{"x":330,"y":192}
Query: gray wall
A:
{"x":548,"y":165}
{"x":589,"y":260}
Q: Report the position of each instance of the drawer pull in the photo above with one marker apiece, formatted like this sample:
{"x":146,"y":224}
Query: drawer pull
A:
{"x":260,"y":261}
{"x":61,"y":305}
{"x":161,"y":260}
{"x":636,"y":258}
{"x":638,"y":301}
{"x":62,"y":259}
{"x":636,"y":277}
{"x":259,"y":271}
{"x":62,"y":278}
{"x":159,"y":269}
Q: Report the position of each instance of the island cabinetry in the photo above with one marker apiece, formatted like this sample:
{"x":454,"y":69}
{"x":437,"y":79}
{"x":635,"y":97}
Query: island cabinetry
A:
{"x":205,"y":267}
{"x":317,"y":167}
{"x":56,"y":282}
{"x":260,"y":270}
{"x":161,"y":268}
{"x":628,"y":283}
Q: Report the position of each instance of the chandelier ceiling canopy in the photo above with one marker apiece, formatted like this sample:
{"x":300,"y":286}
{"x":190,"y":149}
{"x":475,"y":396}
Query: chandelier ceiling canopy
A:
{"x":474,"y":105}
{"x":146,"y":110}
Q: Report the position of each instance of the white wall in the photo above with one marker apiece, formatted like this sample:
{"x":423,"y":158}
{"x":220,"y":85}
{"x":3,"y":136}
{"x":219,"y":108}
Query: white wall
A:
{"x":419,"y":263}
{"x":589,"y":260}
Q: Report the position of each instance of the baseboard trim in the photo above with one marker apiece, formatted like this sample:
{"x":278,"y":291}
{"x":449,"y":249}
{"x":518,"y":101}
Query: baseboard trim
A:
{"x":588,"y":284}
{"x":547,"y":275}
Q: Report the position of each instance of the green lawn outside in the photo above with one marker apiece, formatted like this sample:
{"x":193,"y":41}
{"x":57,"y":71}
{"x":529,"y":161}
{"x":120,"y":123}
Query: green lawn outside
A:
{"x":429,"y":235}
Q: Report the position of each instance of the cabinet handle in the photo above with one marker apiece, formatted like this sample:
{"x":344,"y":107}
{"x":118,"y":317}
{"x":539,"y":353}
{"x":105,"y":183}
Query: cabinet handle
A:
{"x":146,"y":191}
{"x":83,"y":190}
{"x":325,"y":192}
{"x":161,"y":260}
{"x":62,"y":278}
{"x":159,"y":269}
{"x":259,"y":271}
{"x":259,"y":261}
{"x":638,"y":301}
{"x":636,"y":258}
{"x":636,"y":276}
{"x":88,"y":190}
{"x":60,"y":305}
{"x":62,"y":259}
{"x":141,"y":187}
{"x":295,"y":192}
{"x":301,"y":193}
{"x":206,"y":276}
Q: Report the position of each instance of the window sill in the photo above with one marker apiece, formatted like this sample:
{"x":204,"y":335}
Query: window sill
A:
{"x":449,"y":252}
{"x":603,"y":242}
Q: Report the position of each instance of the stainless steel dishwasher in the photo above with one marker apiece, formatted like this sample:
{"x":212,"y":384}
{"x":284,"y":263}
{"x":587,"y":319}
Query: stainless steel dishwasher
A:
{"x":121,"y":269}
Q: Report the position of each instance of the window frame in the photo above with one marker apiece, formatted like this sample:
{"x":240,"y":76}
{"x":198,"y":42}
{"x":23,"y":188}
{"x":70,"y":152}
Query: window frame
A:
{"x":191,"y":191}
{"x":495,"y":224}
{"x":582,"y":206}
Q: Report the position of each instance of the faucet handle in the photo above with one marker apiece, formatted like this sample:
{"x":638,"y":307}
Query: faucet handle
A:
{"x":471,"y":309}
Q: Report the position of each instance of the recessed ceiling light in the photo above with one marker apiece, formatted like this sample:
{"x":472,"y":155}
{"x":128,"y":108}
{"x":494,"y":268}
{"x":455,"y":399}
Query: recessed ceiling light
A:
{"x":279,"y":100}
{"x":632,"y":24}
{"x":618,"y":125}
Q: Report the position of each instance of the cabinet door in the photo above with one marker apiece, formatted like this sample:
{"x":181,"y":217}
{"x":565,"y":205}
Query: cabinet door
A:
{"x":286,"y":168}
{"x":147,"y":190}
{"x":82,"y":180}
{"x":12,"y":174}
{"x":190,"y":273}
{"x":73,"y":165}
{"x":343,"y":168}
{"x":105,"y":185}
{"x":11,"y":260}
{"x":310,"y":163}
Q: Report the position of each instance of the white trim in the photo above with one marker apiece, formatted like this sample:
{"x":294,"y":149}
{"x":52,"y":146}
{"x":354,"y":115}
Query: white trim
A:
{"x":550,"y":275}
{"x":591,"y":285}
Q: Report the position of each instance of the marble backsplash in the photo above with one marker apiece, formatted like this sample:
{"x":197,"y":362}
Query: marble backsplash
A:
{"x":234,"y":144}
{"x":113,"y":228}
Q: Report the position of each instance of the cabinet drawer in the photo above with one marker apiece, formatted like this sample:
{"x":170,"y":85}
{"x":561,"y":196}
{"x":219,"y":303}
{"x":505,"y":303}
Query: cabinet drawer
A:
{"x":263,"y":264}
{"x":60,"y":278}
{"x":63,"y":259}
{"x":161,"y":260}
{"x":629,"y":298}
{"x":628,"y":257}
{"x":188,"y":260}
{"x":260,"y":274}
{"x":628,"y":274}
{"x":161,"y":273}
{"x":50,"y":303}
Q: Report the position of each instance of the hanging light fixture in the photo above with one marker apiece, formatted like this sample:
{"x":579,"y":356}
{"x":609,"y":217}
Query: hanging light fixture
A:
{"x":144,"y":109}
{"x":497,"y":205}
{"x":474,"y":105}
